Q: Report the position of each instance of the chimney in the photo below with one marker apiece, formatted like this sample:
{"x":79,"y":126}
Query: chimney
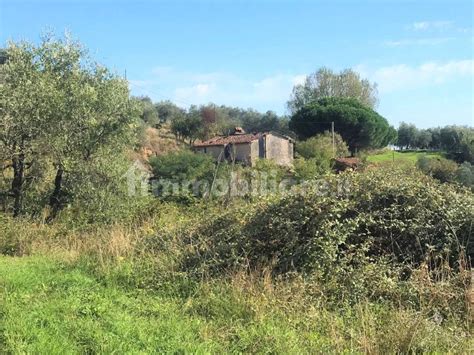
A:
{"x":238,"y":131}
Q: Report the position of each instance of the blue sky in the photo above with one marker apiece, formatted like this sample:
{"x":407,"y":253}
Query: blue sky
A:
{"x":250,"y":54}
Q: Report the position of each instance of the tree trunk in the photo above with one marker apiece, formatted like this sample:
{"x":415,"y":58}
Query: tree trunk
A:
{"x":18,"y":163}
{"x":55,"y":199}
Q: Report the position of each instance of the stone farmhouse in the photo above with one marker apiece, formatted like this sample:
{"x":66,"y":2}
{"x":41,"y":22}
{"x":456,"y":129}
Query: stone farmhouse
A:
{"x":247,"y":148}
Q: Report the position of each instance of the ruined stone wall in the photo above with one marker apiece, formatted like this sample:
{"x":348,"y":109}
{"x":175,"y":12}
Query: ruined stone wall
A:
{"x":279,"y":149}
{"x":243,"y":152}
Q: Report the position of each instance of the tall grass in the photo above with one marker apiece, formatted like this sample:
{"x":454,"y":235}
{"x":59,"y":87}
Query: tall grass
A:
{"x":143,"y":286}
{"x":105,"y":291}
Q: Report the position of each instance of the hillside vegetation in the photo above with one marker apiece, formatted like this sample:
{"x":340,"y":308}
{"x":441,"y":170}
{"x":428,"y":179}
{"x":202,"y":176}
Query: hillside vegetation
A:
{"x":178,"y":253}
{"x":155,"y":142}
{"x":377,"y":265}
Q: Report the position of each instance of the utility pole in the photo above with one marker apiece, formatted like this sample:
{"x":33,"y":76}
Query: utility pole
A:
{"x":333,"y":140}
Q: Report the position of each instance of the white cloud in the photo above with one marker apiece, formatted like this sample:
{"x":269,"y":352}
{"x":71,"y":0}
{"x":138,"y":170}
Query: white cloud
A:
{"x":402,"y":76}
{"x":299,"y":79}
{"x":418,"y":41}
{"x":162,"y":70}
{"x":430,"y":25}
{"x":185,"y":88}
{"x":277,"y":87}
{"x":196,"y":92}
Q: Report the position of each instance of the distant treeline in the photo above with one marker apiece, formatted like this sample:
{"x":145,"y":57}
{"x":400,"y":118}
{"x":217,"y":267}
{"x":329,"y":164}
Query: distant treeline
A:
{"x":205,"y":121}
{"x":457,"y":141}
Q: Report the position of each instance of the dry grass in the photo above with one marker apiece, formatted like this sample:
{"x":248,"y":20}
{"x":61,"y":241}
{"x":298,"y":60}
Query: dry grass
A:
{"x":252,"y":311}
{"x":156,"y":142}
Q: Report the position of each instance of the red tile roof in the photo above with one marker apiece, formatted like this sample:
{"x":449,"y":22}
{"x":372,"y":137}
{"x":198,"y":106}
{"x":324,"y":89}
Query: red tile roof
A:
{"x":234,"y":139}
{"x":348,"y":161}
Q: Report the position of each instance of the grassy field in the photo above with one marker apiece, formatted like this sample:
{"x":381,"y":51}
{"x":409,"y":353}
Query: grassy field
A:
{"x":409,"y":157}
{"x":158,"y":285}
{"x":51,"y":307}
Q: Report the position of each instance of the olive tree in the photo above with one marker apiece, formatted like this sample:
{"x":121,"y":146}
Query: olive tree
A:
{"x":27,"y":103}
{"x":58,"y":103}
{"x":407,"y":135}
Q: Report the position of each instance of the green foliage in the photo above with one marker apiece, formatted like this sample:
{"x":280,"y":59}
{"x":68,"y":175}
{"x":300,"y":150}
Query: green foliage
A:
{"x":325,"y":83}
{"x":59,"y":110}
{"x":446,"y":170}
{"x":183,"y":165}
{"x":149,"y":114}
{"x":317,"y":153}
{"x":424,"y":139}
{"x":27,"y":102}
{"x":51,"y":306}
{"x":440,"y":168}
{"x":270,"y":167}
{"x":269,"y":121}
{"x":411,"y":137}
{"x":406,"y":135}
{"x":359,"y":126}
{"x":307,"y":169}
{"x":321,"y":145}
{"x":357,"y":239}
{"x":394,"y":213}
{"x":404,"y":214}
{"x":186,"y":173}
{"x":99,"y":192}
{"x":458,"y":141}
{"x":316,"y":156}
{"x":168,"y":111}
{"x":3,"y":56}
{"x":465,"y":174}
{"x":186,"y":127}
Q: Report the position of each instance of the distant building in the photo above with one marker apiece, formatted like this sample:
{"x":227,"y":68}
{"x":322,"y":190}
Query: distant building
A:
{"x":249,"y":147}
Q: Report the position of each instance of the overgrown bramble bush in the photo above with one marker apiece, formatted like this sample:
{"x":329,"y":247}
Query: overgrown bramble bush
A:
{"x":465,"y":175}
{"x":398,"y":214}
{"x":362,"y":240}
{"x":409,"y":215}
{"x":446,"y":170}
{"x":440,"y":168}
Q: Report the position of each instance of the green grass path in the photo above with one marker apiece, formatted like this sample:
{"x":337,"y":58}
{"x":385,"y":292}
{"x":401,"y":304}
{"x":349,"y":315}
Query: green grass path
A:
{"x":49,"y":309}
{"x":401,"y":157}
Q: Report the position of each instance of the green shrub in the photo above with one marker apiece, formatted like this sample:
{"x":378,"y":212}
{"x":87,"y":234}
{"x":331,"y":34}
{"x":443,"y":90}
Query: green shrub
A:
{"x":183,"y":165}
{"x":440,"y":168}
{"x":265,"y":171}
{"x":317,"y":153}
{"x":397,"y":214}
{"x":321,"y":145}
{"x":465,"y":174}
{"x":307,"y":169}
{"x":100,"y":193}
{"x":405,"y":214}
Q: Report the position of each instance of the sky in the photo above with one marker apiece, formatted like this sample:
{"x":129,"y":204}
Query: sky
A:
{"x":252,"y":53}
